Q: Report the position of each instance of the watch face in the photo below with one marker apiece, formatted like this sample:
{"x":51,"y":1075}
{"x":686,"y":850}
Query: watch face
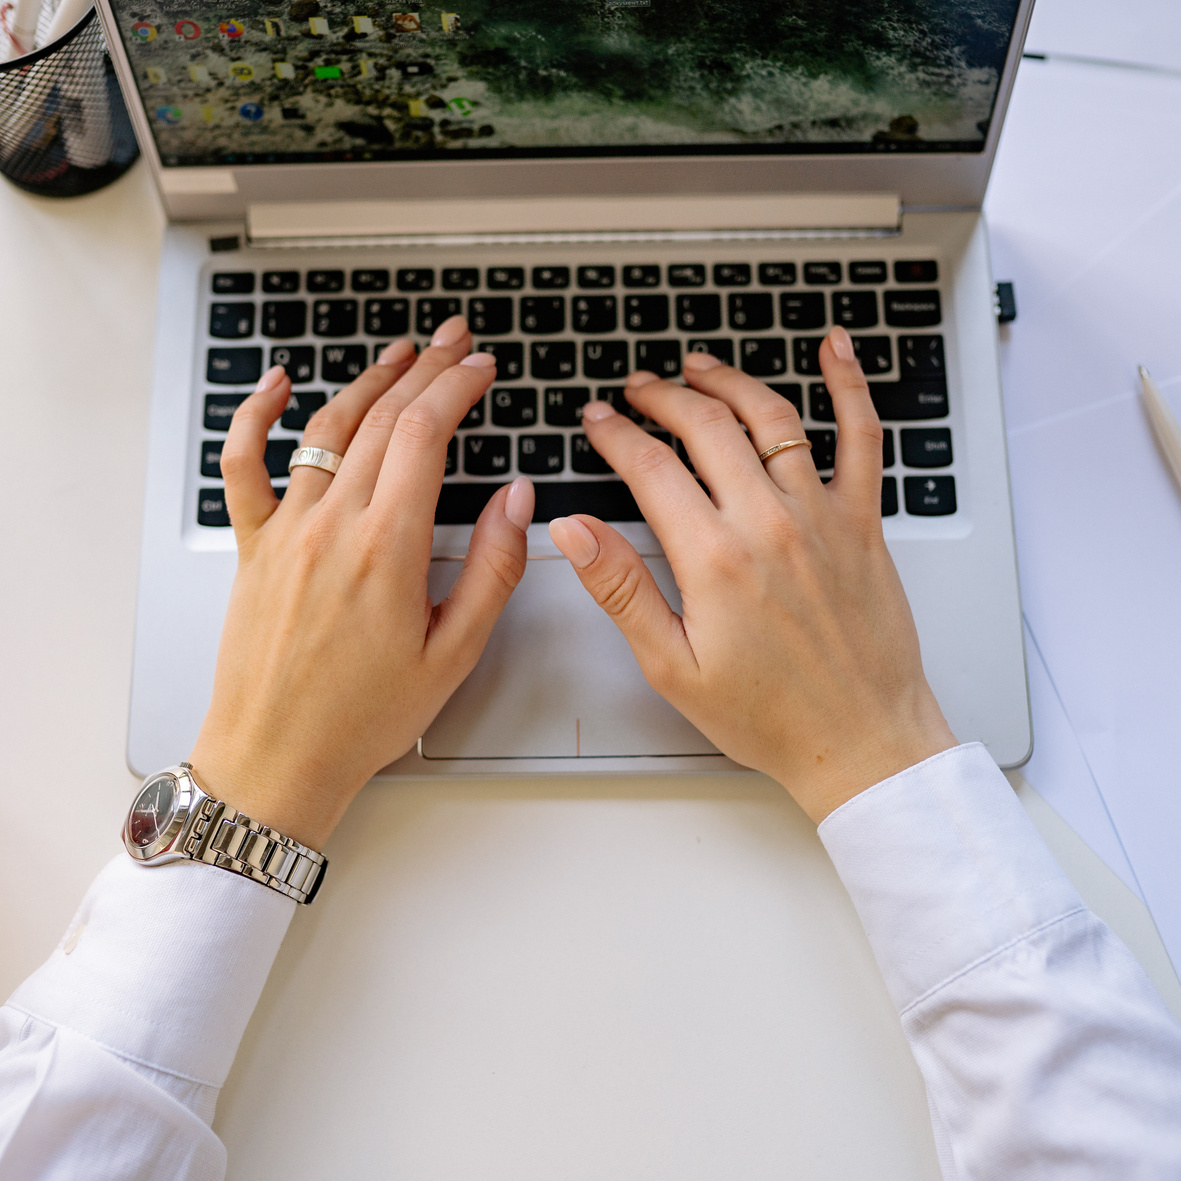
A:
{"x":152,"y":811}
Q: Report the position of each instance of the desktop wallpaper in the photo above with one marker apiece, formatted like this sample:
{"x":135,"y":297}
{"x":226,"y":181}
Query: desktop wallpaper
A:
{"x":319,"y":80}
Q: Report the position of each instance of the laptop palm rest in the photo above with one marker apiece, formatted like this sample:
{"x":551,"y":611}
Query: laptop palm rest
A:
{"x":527,"y":699}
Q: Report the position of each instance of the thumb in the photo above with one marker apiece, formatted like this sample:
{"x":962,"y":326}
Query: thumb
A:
{"x":617,"y":579}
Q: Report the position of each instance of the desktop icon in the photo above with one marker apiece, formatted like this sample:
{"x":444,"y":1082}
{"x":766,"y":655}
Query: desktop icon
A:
{"x":187,"y":30}
{"x":143,"y":31}
{"x":210,"y":115}
{"x":242,"y":71}
{"x":200,"y":75}
{"x":169,"y":115}
{"x":326,"y":73}
{"x":461,"y":106}
{"x":368,"y":68}
{"x":418,"y":109}
{"x":251,"y":112}
{"x":155,"y":76}
{"x":273,"y":28}
{"x":317,"y":26}
{"x":363,"y":26}
{"x":407,"y":22}
{"x":451,"y":22}
{"x":284,"y":71}
{"x":231,"y":30}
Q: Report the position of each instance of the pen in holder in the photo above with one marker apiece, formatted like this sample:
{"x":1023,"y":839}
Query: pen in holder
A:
{"x":63,"y":127}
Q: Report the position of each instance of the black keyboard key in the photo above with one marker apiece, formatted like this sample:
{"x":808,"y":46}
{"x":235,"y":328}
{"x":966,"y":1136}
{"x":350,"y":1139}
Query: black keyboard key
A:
{"x":874,"y":353}
{"x":824,"y":449}
{"x":342,"y":362}
{"x":913,"y":309}
{"x":867,"y":272}
{"x":541,"y":455}
{"x":805,"y":355}
{"x":889,"y":496}
{"x":763,"y":356}
{"x":929,"y":496}
{"x":921,"y":356}
{"x":211,"y":507}
{"x":486,"y":455}
{"x":777,"y":274}
{"x":604,"y":358}
{"x":826,"y":274}
{"x":430,"y":313}
{"x":641,"y":276}
{"x":615,"y":396}
{"x":916,"y":271}
{"x":325,"y":282}
{"x":542,"y":315}
{"x":731,"y":274}
{"x":609,"y":500}
{"x":514,"y":406}
{"x":595,"y":313}
{"x":300,"y":407}
{"x":646,"y":313}
{"x":699,"y":313}
{"x":491,"y":316}
{"x":452,"y":464}
{"x":902,"y":401}
{"x":855,"y":309}
{"x":211,"y":458}
{"x":585,"y":460}
{"x":563,"y":404}
{"x":887,"y":448}
{"x":926,"y":446}
{"x":284,"y":318}
{"x":387,"y":317}
{"x":461,"y":278}
{"x":334,"y":317}
{"x":792,"y":391}
{"x":720,"y":347}
{"x":219,"y":409}
{"x":474,"y":416}
{"x":552,"y":361}
{"x":551,"y":278}
{"x":751,"y":311}
{"x":803,"y":312}
{"x":231,"y":321}
{"x":506,"y":278}
{"x":598,"y":276}
{"x":280,"y":282}
{"x":377,"y":279}
{"x":662,"y":357}
{"x":277,"y":455}
{"x":233,"y":283}
{"x":298,"y":360}
{"x":416,"y":279}
{"x":233,"y":366}
{"x":510,"y":358}
{"x":686,"y":274}
{"x":820,"y":403}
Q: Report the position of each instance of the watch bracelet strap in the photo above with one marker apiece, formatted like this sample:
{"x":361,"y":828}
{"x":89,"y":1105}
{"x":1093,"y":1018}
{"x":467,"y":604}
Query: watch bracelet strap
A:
{"x":224,"y":837}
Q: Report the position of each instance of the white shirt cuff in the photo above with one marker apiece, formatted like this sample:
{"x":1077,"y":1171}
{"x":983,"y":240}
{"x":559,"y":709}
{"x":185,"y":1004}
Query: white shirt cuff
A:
{"x":944,"y":868}
{"x":168,"y":967}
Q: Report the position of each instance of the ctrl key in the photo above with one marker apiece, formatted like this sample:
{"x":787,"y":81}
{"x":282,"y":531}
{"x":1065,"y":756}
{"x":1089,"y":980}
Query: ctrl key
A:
{"x":211,"y":508}
{"x":930,"y":496}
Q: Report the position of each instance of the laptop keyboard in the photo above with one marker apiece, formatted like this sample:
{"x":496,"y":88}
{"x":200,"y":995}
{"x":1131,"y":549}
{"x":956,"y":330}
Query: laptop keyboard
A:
{"x":564,"y":333}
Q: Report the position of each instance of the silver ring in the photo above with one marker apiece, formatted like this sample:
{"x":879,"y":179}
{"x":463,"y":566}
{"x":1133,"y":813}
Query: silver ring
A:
{"x":765,"y":455}
{"x":326,"y":461}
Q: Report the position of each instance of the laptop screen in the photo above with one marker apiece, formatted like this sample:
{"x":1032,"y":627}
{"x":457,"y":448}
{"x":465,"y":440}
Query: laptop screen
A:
{"x":315,"y":81}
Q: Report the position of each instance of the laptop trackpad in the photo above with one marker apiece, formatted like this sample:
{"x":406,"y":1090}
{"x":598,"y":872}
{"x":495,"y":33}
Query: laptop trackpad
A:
{"x":557,"y":680}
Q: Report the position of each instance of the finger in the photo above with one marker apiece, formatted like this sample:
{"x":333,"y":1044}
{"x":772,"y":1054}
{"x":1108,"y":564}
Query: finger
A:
{"x":721,"y":453}
{"x":495,"y":563}
{"x":250,"y":498}
{"x":769,"y":417}
{"x":858,"y":467}
{"x":617,"y":579}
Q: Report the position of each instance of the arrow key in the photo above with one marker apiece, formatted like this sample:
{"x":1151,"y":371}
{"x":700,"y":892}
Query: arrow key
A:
{"x":930,"y":496}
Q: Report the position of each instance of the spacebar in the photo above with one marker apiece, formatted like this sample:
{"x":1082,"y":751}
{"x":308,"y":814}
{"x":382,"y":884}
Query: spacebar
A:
{"x":610,"y":500}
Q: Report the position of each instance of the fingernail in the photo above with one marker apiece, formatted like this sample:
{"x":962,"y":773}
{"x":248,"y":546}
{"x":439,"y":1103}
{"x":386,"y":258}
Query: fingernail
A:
{"x":270,"y":379}
{"x":842,"y":344}
{"x":397,"y":352}
{"x":518,"y":505}
{"x":450,"y":332}
{"x":700,"y":361}
{"x":479,"y":360}
{"x":641,"y":377}
{"x":577,"y":543}
{"x":596,"y":411}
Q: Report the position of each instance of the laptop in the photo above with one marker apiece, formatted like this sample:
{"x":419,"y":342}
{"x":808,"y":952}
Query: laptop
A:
{"x":598,"y":187}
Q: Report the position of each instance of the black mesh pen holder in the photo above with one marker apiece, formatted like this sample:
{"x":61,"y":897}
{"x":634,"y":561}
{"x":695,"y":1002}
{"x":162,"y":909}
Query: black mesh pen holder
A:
{"x":63,"y":127}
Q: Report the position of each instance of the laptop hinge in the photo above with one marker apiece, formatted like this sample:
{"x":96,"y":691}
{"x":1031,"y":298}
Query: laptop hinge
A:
{"x":573,"y":219}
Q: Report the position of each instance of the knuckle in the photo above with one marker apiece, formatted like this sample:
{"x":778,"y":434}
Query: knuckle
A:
{"x":506,"y":564}
{"x":319,"y":536}
{"x":383,"y":415}
{"x":616,"y":589}
{"x":650,"y":457}
{"x":708,"y":412}
{"x":419,"y":425}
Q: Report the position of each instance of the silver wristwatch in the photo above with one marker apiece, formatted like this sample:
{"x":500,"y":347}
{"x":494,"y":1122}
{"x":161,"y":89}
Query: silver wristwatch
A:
{"x":173,"y":817}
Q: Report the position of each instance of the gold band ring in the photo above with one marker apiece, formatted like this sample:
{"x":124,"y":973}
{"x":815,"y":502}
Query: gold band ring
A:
{"x":765,"y":455}
{"x":326,"y":461}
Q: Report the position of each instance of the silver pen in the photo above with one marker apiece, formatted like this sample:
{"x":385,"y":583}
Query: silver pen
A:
{"x":1163,"y":422}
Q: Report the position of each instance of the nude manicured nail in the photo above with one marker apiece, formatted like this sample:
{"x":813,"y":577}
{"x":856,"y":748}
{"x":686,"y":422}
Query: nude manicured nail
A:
{"x":596,"y":411}
{"x":270,"y":379}
{"x":396,"y":353}
{"x":478,"y":360}
{"x":575,"y":540}
{"x":700,"y":361}
{"x":842,"y":344}
{"x":451,"y":331}
{"x":518,"y":505}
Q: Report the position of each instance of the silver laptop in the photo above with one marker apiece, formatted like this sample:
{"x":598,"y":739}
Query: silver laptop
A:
{"x":599,"y":187}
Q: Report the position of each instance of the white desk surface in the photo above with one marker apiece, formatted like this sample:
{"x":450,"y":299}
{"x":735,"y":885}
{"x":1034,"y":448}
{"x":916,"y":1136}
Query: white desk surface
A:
{"x":553,"y":978}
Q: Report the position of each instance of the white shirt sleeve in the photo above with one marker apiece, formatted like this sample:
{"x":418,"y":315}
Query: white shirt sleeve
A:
{"x":113,"y":1052}
{"x":1045,"y":1050}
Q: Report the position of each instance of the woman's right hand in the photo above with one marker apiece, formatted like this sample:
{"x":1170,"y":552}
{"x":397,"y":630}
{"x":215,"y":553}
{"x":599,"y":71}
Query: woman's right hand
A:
{"x":795,"y":652}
